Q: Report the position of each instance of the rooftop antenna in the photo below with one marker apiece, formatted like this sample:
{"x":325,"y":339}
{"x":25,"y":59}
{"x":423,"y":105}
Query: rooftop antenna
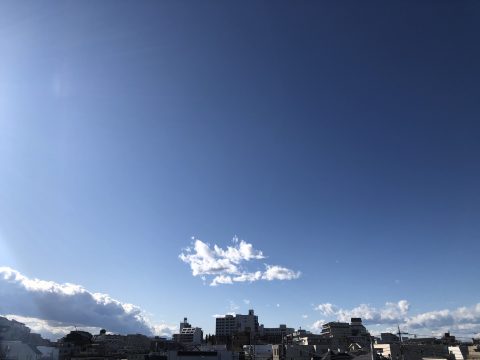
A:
{"x":400,"y":333}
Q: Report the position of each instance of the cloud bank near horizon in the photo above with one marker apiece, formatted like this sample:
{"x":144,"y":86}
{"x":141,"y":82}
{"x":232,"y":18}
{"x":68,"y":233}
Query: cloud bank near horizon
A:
{"x":227,"y":266}
{"x":54,"y":309}
{"x":464,"y":321}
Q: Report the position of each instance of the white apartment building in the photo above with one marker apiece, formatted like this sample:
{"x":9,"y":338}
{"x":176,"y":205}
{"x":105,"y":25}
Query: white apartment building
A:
{"x":191,"y":335}
{"x":336,"y":329}
{"x":229,"y":325}
{"x":188,"y":334}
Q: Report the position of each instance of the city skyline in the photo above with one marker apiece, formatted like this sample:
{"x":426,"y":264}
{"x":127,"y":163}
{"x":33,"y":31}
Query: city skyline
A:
{"x":35,"y":298}
{"x":310,"y":161}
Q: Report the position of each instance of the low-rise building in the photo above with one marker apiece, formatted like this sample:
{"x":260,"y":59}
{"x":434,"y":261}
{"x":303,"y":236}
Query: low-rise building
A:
{"x":48,"y":352}
{"x":274,"y":335}
{"x":402,"y":351}
{"x":388,"y":338}
{"x":465,"y":351}
{"x":298,"y":352}
{"x":17,"y":350}
{"x":258,"y":352}
{"x":201,"y":355}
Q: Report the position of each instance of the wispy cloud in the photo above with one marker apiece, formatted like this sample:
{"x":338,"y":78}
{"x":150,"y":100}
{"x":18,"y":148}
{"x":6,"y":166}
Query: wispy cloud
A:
{"x":52,"y":306}
{"x":464,"y":320}
{"x":233,"y":306}
{"x":227,"y":266}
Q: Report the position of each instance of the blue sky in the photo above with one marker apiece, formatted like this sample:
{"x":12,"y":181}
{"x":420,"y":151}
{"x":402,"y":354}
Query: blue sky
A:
{"x":340,"y":139}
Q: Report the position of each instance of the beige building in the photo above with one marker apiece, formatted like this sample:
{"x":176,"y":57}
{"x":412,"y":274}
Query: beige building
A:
{"x":413,"y":351}
{"x":465,"y":352}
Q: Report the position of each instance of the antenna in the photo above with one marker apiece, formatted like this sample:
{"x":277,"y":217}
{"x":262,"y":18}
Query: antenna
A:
{"x":400,"y":333}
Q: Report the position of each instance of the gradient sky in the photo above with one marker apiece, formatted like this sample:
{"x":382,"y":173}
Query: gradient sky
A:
{"x":342,"y":139}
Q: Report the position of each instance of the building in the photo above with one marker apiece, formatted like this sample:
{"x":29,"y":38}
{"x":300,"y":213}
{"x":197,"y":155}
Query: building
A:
{"x":247,"y":323}
{"x":184,"y":324}
{"x":17,"y":350}
{"x":342,"y":334}
{"x":336,"y":329}
{"x":188,"y":335}
{"x":413,"y":351}
{"x":201,"y":355}
{"x":465,"y":352}
{"x":459,"y":352}
{"x":297,"y":352}
{"x":14,"y":330}
{"x":274,"y":335}
{"x":48,"y":352}
{"x":237,"y":330}
{"x":191,"y":336}
{"x":258,"y":352}
{"x":357,"y":328}
{"x":448,"y":339}
{"x":303,"y":337}
{"x":114,"y":344}
{"x":229,"y":325}
{"x":160,"y":345}
{"x":389,"y":338}
{"x":225,"y":325}
{"x":359,"y":333}
{"x":74,"y":343}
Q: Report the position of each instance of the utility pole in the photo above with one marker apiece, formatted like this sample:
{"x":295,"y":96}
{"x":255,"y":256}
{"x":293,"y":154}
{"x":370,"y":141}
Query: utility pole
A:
{"x":372,"y":349}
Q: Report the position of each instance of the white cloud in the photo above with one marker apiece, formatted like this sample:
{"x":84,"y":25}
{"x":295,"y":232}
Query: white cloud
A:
{"x":327,"y":309}
{"x":317,"y":325}
{"x":227,"y":266}
{"x":390,"y":313}
{"x":404,"y":306}
{"x":55,"y":307}
{"x":246,"y":301}
{"x":463,"y":320}
{"x":222,"y":315}
{"x":221,"y":279}
{"x":240,"y":252}
{"x":164,"y":329}
{"x":275,"y":272}
{"x":204,"y":261}
{"x":304,"y":316}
